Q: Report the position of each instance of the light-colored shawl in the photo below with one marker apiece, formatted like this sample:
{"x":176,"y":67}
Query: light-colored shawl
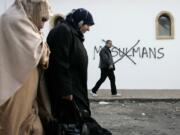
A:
{"x":20,"y":49}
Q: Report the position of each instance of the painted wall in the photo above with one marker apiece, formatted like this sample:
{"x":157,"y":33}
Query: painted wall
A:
{"x":130,"y":24}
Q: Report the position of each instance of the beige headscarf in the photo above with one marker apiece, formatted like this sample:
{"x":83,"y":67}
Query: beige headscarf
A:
{"x":20,"y":44}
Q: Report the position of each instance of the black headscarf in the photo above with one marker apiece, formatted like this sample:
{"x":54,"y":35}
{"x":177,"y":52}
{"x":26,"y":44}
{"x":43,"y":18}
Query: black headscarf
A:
{"x":79,"y":17}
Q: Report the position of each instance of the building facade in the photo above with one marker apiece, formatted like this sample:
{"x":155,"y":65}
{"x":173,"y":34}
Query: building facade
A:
{"x":145,"y":35}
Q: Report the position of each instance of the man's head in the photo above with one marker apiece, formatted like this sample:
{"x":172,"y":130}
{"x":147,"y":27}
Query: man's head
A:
{"x":81,"y":19}
{"x":109,"y":43}
{"x":37,"y":11}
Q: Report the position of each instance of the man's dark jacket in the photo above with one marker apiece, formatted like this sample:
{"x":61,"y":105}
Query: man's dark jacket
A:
{"x":105,"y":58}
{"x":67,"y":72}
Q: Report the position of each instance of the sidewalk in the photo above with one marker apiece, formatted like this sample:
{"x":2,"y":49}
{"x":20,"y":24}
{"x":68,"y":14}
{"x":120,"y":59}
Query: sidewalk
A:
{"x":160,"y":95}
{"x":138,"y":118}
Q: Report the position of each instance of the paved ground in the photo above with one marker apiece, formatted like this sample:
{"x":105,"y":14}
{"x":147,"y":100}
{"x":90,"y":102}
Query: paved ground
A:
{"x":141,"y":113}
{"x":138,"y":118}
{"x":105,"y":95}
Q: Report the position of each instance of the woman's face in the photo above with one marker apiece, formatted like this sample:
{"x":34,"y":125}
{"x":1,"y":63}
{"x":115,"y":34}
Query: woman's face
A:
{"x":42,"y":12}
{"x":42,"y":22}
{"x":37,"y":11}
{"x":84,"y":28}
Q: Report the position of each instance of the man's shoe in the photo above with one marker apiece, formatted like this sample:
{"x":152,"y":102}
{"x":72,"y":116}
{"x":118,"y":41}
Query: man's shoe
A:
{"x":117,"y":94}
{"x":93,"y":94}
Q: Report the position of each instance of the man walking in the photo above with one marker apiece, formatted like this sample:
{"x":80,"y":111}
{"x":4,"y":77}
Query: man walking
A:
{"x":107,"y":69}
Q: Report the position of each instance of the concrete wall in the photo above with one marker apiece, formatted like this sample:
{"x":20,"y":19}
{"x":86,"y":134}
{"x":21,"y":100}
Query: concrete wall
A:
{"x":125,"y":22}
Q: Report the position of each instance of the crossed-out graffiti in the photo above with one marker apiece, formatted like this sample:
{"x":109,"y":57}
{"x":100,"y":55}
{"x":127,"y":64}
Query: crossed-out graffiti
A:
{"x":134,"y":51}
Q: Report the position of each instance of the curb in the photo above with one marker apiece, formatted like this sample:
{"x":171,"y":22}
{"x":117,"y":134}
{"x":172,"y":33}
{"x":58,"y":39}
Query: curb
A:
{"x":135,"y":100}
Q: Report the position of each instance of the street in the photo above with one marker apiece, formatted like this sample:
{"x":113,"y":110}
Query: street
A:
{"x":138,"y":118}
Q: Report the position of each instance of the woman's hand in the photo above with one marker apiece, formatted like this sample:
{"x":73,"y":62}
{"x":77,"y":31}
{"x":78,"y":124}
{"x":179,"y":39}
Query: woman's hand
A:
{"x":69,"y":97}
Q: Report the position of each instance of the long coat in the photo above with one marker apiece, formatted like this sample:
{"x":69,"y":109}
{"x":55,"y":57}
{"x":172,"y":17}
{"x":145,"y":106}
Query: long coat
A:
{"x":67,"y":72}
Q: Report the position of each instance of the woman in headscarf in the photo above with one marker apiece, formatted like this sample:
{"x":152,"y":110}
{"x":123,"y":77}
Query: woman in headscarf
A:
{"x":56,"y":19}
{"x":66,"y":76}
{"x":22,"y":52}
{"x":67,"y":73}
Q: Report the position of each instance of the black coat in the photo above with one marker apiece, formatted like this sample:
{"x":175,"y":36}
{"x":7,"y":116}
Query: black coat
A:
{"x":67,"y":72}
{"x":105,"y":58}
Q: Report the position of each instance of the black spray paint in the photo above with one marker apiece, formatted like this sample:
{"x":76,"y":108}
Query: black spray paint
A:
{"x":134,"y":52}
